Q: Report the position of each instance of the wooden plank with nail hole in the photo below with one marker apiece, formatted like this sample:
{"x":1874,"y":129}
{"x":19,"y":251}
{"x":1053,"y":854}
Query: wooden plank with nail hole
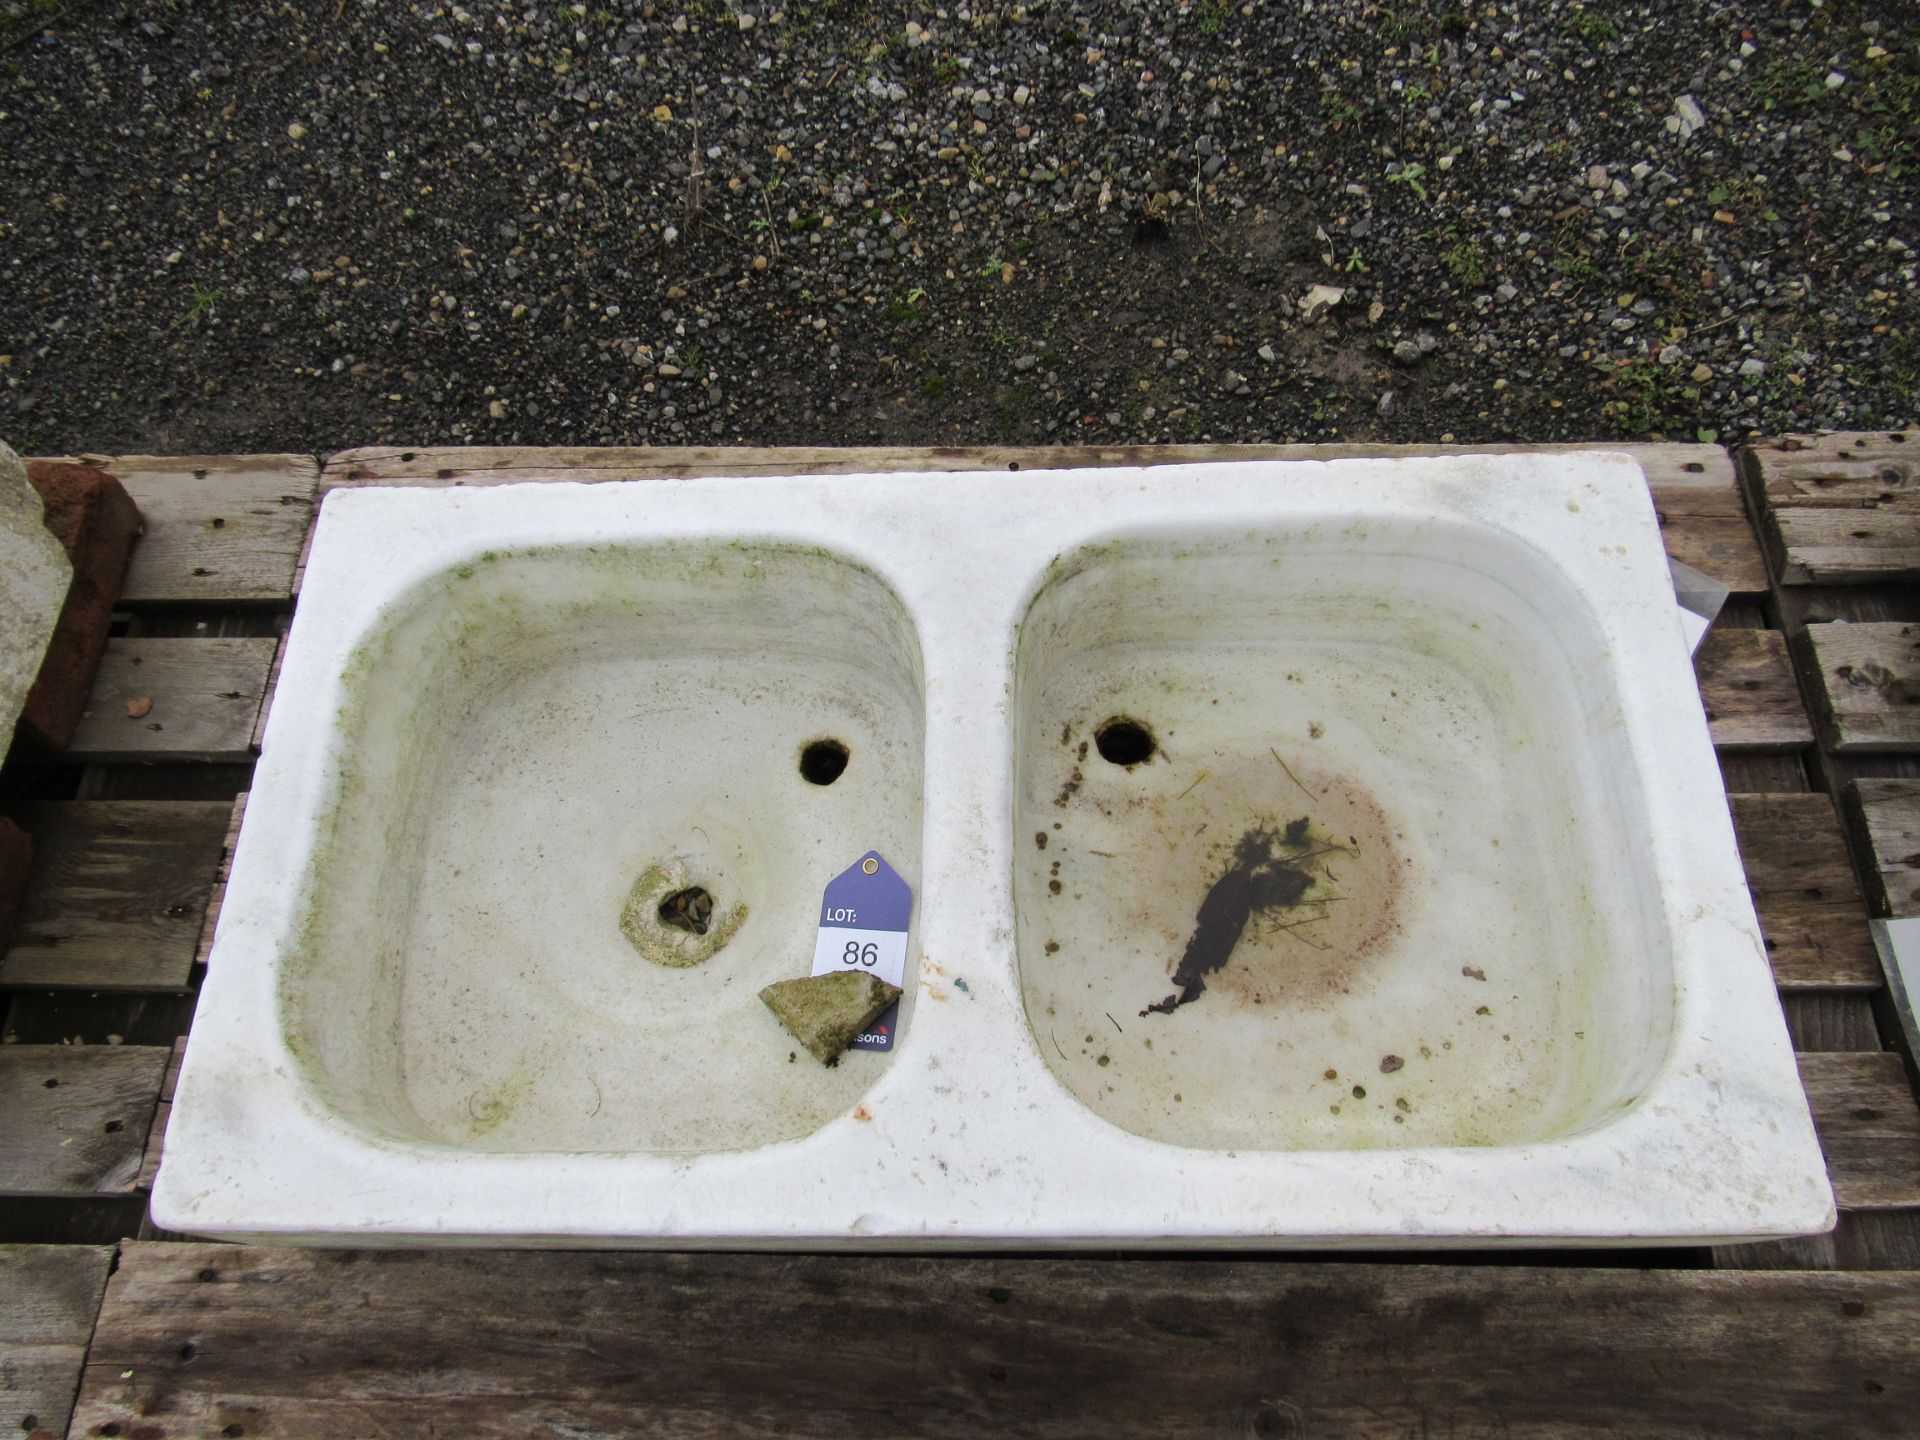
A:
{"x":1838,"y":509}
{"x":119,"y":892}
{"x":1863,"y":685}
{"x":1747,"y":685}
{"x":302,"y":1343}
{"x":221,"y":529}
{"x":49,"y":1296}
{"x":74,"y":1118}
{"x":1812,"y":914}
{"x":172,"y":699}
{"x":1869,"y":1127}
{"x":1884,"y":818}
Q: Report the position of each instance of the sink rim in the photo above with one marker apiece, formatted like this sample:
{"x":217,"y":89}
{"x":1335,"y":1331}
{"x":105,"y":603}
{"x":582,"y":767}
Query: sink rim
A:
{"x":254,"y":1155}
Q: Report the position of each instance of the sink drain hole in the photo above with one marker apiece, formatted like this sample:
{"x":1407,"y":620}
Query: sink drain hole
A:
{"x":823,"y":761}
{"x":690,"y":910}
{"x":1124,"y":742}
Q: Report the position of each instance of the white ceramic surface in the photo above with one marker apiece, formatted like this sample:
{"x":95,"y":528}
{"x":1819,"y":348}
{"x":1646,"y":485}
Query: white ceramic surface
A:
{"x":1499,"y":980}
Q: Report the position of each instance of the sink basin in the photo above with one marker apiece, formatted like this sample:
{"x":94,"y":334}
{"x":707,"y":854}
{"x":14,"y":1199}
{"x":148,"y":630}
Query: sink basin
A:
{"x":1389,"y":725}
{"x":1303,"y":854}
{"x":524,"y":736}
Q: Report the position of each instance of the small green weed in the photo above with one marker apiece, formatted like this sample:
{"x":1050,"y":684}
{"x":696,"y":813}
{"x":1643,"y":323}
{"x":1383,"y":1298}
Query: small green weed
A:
{"x":1409,"y":176}
{"x":201,"y":305}
{"x":1405,"y":24}
{"x":1466,"y":262}
{"x":1649,"y":397}
{"x":1337,"y":110}
{"x":1789,"y":83}
{"x":1589,"y":26}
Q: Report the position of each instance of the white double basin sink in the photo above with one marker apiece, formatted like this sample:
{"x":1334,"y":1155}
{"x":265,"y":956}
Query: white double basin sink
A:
{"x":1304,"y":855}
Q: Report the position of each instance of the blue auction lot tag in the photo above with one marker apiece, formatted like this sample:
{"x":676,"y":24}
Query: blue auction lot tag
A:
{"x":863,"y":926}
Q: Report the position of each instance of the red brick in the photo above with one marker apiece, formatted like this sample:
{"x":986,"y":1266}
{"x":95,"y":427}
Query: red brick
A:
{"x":92,"y":515}
{"x":16,"y":863}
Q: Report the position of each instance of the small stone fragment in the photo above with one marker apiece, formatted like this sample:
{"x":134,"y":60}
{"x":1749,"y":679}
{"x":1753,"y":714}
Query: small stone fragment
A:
{"x":35,"y":574}
{"x":96,"y":522}
{"x":826,"y":1012}
{"x":140,"y":708}
{"x":1687,"y":116}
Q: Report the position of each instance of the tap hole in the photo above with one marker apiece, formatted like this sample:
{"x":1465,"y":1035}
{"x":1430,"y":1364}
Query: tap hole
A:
{"x":823,"y":761}
{"x":1124,"y":742}
{"x":690,"y":910}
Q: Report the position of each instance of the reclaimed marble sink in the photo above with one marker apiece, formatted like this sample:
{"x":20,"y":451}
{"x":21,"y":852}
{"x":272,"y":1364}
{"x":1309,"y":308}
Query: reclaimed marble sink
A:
{"x":1304,"y":854}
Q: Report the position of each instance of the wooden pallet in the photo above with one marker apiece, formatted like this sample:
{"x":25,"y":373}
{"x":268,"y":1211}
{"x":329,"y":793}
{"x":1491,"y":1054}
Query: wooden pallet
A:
{"x":127,"y":894}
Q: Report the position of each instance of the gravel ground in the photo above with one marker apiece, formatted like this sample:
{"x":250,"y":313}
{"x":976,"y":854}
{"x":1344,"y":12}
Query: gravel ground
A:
{"x":229,"y":226}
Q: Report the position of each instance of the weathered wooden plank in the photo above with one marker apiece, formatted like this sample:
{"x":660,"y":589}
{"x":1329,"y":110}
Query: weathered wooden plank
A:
{"x":1830,"y":1020}
{"x":1812,"y":914}
{"x":294,"y":1343}
{"x":1695,"y":489}
{"x":1811,"y":546}
{"x":1702,"y":467}
{"x":175,"y":700}
{"x":1863,"y":1240}
{"x":73,"y":1119}
{"x":118,"y":895}
{"x":1869,"y":1127}
{"x":157,"y":1131}
{"x":1845,"y":470}
{"x":1838,"y":508}
{"x":209,"y":926}
{"x":1746,"y":772}
{"x":1862,"y":684}
{"x":1746,"y":683}
{"x":1883,"y":817}
{"x":222,"y":529}
{"x":49,"y":1295}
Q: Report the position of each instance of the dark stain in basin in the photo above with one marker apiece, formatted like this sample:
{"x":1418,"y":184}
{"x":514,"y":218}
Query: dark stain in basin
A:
{"x":1259,"y":879}
{"x":1071,"y":788}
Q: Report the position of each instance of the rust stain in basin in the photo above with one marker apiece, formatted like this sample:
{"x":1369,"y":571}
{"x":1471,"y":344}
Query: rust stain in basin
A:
{"x":1286,"y":882}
